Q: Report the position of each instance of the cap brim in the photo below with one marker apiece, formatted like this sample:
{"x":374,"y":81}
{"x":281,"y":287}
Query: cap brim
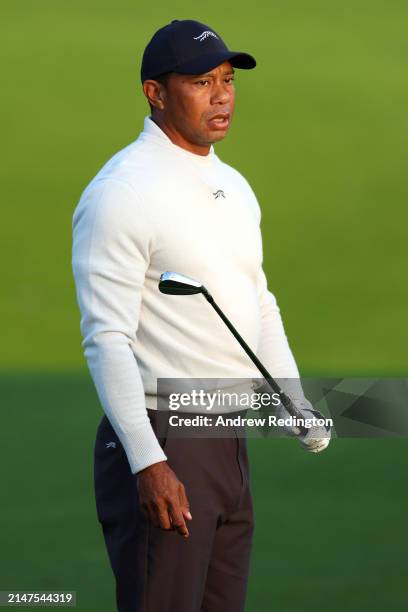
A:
{"x":212,"y":60}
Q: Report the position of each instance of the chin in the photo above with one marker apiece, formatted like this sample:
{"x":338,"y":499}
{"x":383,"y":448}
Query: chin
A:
{"x":217,"y":135}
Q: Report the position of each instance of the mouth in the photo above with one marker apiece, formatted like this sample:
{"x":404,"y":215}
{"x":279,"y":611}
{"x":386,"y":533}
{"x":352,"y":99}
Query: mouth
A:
{"x":220,"y":121}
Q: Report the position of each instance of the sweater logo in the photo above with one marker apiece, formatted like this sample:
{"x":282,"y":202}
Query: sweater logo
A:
{"x":205,"y":35}
{"x":219,"y":194}
{"x":110,"y":444}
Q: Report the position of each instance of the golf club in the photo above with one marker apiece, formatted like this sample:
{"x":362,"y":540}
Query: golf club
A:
{"x":173,"y":283}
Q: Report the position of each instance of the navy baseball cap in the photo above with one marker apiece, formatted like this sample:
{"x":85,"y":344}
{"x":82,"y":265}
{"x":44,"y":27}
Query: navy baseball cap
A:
{"x":188,"y":47}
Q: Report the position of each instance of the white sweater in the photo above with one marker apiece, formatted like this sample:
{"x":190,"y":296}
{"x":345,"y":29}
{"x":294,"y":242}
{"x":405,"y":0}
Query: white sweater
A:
{"x":154,"y":207}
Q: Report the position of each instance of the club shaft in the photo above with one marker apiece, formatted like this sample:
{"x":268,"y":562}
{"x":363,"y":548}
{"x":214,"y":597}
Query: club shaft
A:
{"x":286,"y":401}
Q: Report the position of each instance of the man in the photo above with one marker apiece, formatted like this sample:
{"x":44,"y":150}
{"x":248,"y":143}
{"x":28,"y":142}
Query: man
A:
{"x":166,"y":202}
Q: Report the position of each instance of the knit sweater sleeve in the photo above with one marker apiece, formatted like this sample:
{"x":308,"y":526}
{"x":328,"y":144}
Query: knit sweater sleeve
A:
{"x":273,"y":350}
{"x":273,"y":347}
{"x":110,"y":255}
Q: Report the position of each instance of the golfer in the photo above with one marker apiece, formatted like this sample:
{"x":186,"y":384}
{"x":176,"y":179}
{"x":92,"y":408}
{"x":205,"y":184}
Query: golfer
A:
{"x":176,"y":513}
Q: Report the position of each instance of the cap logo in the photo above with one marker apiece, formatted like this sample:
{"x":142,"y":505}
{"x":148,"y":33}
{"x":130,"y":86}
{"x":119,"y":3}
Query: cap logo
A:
{"x":205,"y":35}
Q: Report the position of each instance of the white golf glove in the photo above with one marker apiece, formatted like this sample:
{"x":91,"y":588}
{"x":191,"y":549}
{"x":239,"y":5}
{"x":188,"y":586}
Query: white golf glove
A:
{"x":317,"y":437}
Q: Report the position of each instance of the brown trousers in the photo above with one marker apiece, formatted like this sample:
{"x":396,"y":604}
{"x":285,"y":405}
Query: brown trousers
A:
{"x":157,"y":570}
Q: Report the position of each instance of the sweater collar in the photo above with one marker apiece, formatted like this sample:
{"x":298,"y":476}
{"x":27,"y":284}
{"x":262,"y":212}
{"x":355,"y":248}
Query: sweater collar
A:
{"x":152,"y":131}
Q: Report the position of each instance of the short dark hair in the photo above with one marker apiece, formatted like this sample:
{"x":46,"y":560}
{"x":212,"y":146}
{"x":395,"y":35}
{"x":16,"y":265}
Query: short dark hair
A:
{"x":163,"y":79}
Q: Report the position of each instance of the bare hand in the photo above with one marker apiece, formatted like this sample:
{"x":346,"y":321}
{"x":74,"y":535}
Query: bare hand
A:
{"x":163,"y":498}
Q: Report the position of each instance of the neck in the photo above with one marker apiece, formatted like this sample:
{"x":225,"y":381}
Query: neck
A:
{"x":178,"y":139}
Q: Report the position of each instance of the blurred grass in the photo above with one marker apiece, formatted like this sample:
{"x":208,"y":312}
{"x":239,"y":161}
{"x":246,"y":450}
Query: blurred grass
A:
{"x":329,"y":528}
{"x":50,"y":539}
{"x":320,"y":131}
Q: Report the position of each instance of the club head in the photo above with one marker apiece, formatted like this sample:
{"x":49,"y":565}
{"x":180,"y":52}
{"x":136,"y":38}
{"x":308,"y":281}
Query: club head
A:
{"x":174,"y":283}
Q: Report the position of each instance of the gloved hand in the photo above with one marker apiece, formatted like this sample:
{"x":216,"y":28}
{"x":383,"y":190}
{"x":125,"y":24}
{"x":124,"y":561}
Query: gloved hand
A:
{"x":317,"y":437}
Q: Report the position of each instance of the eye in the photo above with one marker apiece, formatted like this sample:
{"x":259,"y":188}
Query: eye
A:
{"x":230,"y":79}
{"x":203,"y":82}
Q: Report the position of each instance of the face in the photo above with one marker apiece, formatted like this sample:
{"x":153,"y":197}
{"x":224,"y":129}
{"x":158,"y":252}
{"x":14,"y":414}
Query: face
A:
{"x":196,"y":110}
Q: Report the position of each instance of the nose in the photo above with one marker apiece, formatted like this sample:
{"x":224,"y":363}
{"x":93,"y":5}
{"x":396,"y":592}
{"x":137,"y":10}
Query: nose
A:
{"x":221,"y":93}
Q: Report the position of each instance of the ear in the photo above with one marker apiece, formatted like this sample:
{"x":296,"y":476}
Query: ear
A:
{"x":155,"y":93}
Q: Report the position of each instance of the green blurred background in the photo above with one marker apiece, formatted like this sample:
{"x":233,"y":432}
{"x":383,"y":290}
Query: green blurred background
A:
{"x":321,"y":133}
